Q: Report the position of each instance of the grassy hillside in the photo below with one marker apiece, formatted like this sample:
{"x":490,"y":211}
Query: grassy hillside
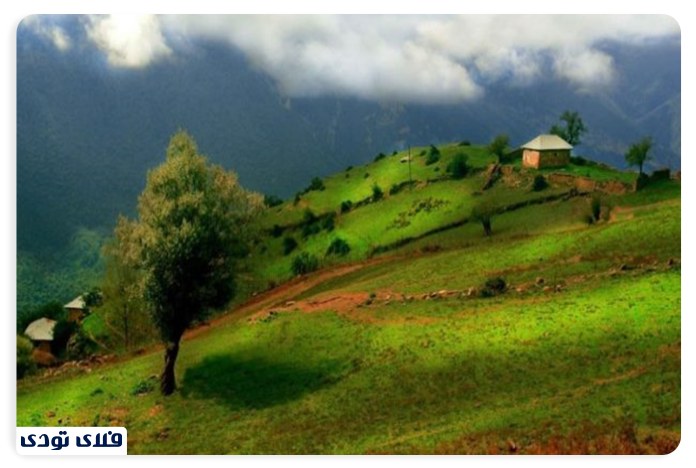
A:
{"x":395,"y":350}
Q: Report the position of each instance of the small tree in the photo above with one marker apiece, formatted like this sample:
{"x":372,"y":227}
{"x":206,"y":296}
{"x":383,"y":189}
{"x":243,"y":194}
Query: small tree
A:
{"x":195,"y":221}
{"x":573,"y":128}
{"x":433,"y":155}
{"x":498,"y":146}
{"x":315,"y":184}
{"x":458,"y":168}
{"x":483,"y":212}
{"x":637,"y":154}
{"x":377,"y":193}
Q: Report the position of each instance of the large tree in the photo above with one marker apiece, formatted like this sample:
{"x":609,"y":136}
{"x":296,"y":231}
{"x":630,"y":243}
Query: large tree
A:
{"x":572,"y":129}
{"x":637,"y":154}
{"x":194,"y":224}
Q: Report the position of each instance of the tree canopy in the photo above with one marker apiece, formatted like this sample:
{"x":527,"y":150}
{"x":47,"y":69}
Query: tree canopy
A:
{"x":573,"y":127}
{"x":637,"y":153}
{"x":194,"y":223}
{"x":498,"y":146}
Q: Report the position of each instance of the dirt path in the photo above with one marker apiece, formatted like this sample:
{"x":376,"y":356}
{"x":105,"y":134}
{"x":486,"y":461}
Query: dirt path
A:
{"x":283,"y":295}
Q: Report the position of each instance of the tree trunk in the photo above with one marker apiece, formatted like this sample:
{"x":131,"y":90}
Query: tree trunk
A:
{"x":487,"y":227}
{"x":167,"y":379}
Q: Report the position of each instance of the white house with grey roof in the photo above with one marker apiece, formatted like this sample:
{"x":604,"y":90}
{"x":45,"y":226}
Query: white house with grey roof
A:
{"x":546,"y":151}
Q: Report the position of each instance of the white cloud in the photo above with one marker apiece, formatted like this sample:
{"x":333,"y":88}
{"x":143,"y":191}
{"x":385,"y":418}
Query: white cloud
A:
{"x":47,"y":29}
{"x":404,"y":58}
{"x":423,"y":58}
{"x":127,"y":40}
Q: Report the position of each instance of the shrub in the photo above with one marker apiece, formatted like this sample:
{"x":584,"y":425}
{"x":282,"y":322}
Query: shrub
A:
{"x":297,"y":198}
{"x":493,"y":287}
{"x":304,"y":263}
{"x":289,"y":244}
{"x":349,"y":168}
{"x":367,"y":174}
{"x":578,"y":160}
{"x":422,"y":153}
{"x":539,"y":183}
{"x":315,"y":184}
{"x":433,"y":156}
{"x":338,"y":247}
{"x":310,"y":229}
{"x":271,"y":201}
{"x":379,"y":157}
{"x":276,"y":231}
{"x":62,"y":332}
{"x":329,"y":222}
{"x":377,"y":193}
{"x":308,"y":216}
{"x":346,"y":206}
{"x":25,"y":363}
{"x":80,"y":345}
{"x":144,"y":386}
{"x":465,"y":143}
{"x":458,"y":168}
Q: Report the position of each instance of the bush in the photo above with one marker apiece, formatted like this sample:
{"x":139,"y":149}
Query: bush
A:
{"x":422,"y":153}
{"x":465,"y":143}
{"x":493,"y":287}
{"x":271,"y":201}
{"x":578,"y":160}
{"x":395,"y":153}
{"x":144,"y":386}
{"x":433,"y":156}
{"x":539,"y":183}
{"x":80,"y":345}
{"x":297,"y":198}
{"x":346,"y":206}
{"x":276,"y":231}
{"x":304,"y":263}
{"x":377,"y":193}
{"x":379,"y":157}
{"x":349,"y":168}
{"x":329,"y":222}
{"x":62,"y":332}
{"x":367,"y":174}
{"x":315,"y":184}
{"x":25,"y":363}
{"x":458,"y":168}
{"x":338,"y":247}
{"x":289,"y":244}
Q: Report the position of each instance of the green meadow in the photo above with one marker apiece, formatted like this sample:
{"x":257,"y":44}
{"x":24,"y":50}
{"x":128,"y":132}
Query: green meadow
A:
{"x":393,"y":348}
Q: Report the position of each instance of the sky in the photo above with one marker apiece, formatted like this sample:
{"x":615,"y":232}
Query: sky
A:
{"x":424,"y":59}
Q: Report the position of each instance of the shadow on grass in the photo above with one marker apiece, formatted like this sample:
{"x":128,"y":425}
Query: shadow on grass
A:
{"x":253,"y":382}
